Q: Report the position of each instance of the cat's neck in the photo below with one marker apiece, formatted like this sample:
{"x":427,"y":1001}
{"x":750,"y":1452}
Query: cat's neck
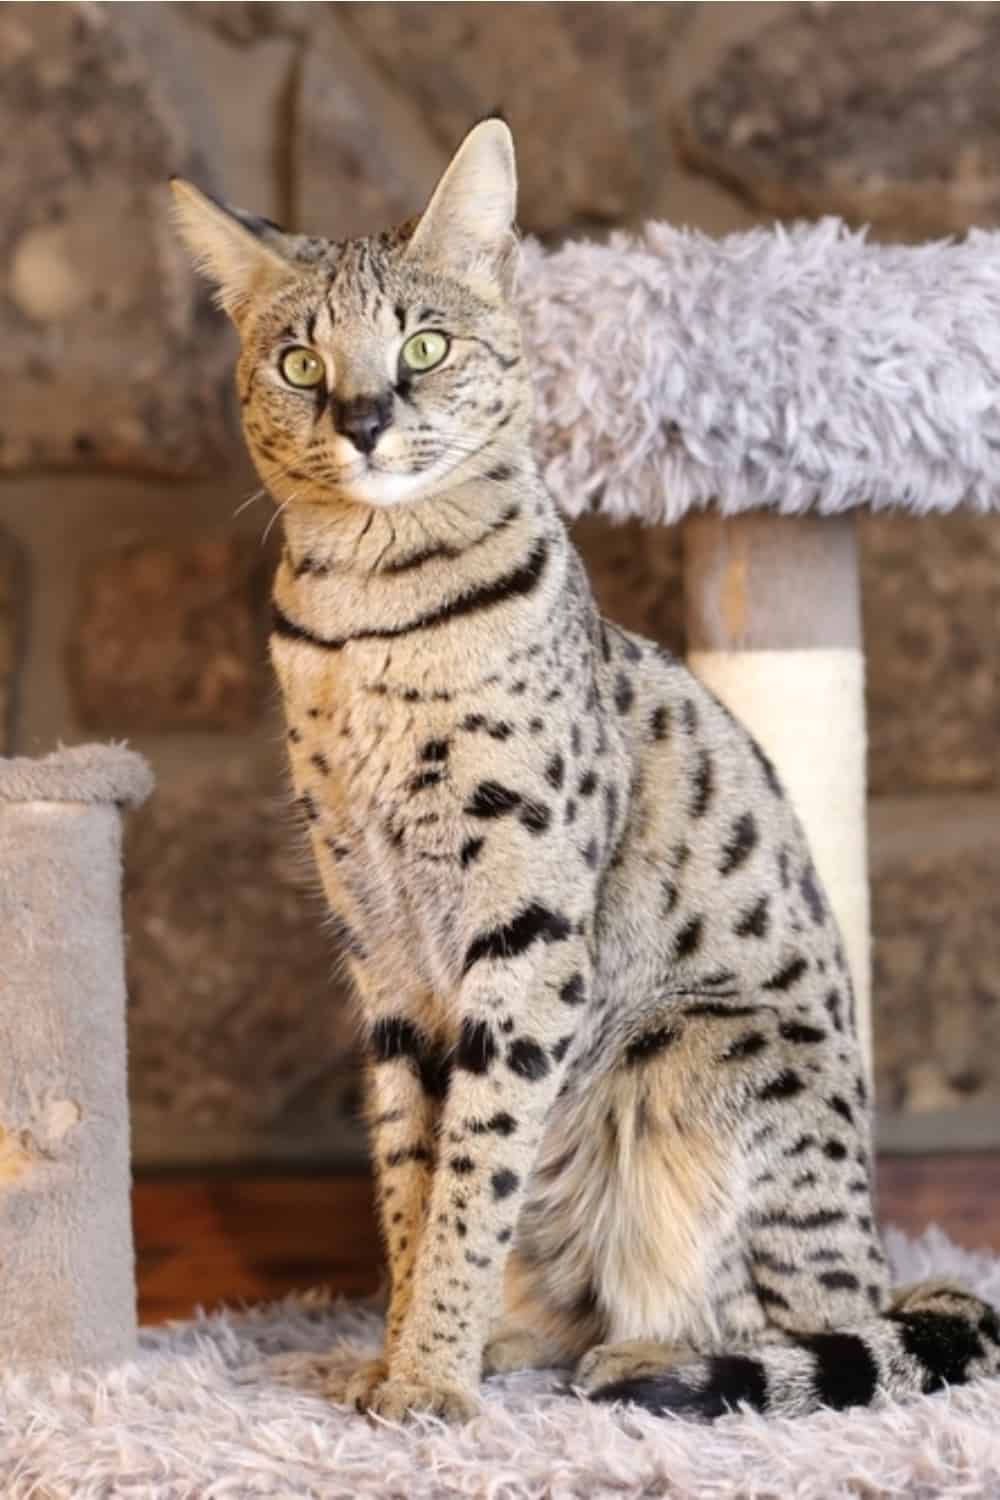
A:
{"x":395,"y":582}
{"x":365,"y":541}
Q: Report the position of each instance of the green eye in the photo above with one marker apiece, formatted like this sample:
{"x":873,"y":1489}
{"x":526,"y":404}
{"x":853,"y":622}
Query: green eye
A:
{"x":424,"y":350}
{"x":302,"y":368}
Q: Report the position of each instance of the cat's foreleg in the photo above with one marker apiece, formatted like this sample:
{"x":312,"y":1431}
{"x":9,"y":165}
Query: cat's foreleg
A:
{"x":515,"y":1033}
{"x":406,"y":1075}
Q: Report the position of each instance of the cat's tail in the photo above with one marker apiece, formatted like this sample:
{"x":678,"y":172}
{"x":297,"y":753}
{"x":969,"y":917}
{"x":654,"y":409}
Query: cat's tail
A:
{"x":933,"y":1334}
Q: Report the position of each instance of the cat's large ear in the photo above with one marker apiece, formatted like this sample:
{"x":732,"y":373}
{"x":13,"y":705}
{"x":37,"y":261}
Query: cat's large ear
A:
{"x":240,"y":253}
{"x":469,"y":223}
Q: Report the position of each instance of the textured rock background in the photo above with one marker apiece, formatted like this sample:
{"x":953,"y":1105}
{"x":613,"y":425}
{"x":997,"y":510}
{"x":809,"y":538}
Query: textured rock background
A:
{"x":138,"y":595}
{"x":109,"y":353}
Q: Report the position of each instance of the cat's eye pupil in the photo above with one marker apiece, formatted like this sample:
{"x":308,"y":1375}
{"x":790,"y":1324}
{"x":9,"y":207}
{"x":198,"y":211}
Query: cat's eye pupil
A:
{"x":424,"y":350}
{"x":302,"y":367}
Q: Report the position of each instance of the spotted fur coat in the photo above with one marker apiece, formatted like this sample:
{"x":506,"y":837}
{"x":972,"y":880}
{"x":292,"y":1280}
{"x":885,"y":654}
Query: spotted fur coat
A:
{"x":618,"y":1111}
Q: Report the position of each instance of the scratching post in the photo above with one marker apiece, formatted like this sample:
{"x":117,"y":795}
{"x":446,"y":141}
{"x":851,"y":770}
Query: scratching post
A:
{"x":774,"y":629}
{"x":67,"y":1283}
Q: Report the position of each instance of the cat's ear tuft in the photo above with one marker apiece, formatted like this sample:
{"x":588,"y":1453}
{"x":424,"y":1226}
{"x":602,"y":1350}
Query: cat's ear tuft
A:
{"x":469,"y":223}
{"x":240,"y":253}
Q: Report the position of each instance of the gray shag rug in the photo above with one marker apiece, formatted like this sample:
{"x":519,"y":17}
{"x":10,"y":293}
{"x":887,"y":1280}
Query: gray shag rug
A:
{"x":229,"y":1406}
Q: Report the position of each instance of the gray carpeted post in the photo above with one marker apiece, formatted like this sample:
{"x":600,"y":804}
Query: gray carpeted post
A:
{"x":67,"y":1281}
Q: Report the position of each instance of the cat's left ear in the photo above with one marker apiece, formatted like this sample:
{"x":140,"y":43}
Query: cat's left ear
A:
{"x":242,"y":254}
{"x":469,"y":223}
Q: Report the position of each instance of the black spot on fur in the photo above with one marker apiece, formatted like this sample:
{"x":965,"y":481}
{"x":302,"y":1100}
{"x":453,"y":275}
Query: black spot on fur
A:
{"x":747,"y":1045}
{"x":811,"y":895}
{"x":733,"y":1379}
{"x":498,"y":1124}
{"x":787,"y":976}
{"x":840,"y":1104}
{"x":592,"y":853}
{"x":407,"y":1154}
{"x":769,"y":1296}
{"x":784,"y":1086}
{"x":839,"y":1281}
{"x":740,"y":845}
{"x":527,"y":1059}
{"x":650,"y":1044}
{"x":463,"y":1165}
{"x":536,"y":923}
{"x":395,"y":1037}
{"x":309,"y":806}
{"x":476,"y":1048}
{"x":573,"y":992}
{"x":833,"y":1004}
{"x":555,"y":772}
{"x":491,"y":800}
{"x":770,"y":774}
{"x":471,"y":850}
{"x":690,"y":713}
{"x":561,"y":1048}
{"x":587,"y":784}
{"x":535,"y":817}
{"x":435,"y":750}
{"x":295,"y":735}
{"x":504,"y":1182}
{"x":624,"y":693}
{"x":835,"y":1150}
{"x":798,"y":1031}
{"x":659,"y":722}
{"x":702,"y":784}
{"x":423,"y":780}
{"x":846,"y":1372}
{"x":688,"y":940}
{"x":823,"y":1218}
{"x":755,"y":921}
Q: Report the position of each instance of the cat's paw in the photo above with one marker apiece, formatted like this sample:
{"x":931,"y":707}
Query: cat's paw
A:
{"x":514,"y":1349}
{"x":607,"y":1363}
{"x":353,"y":1387}
{"x":395,"y":1400}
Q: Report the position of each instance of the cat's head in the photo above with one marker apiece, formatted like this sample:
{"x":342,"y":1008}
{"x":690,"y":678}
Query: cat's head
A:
{"x":377,"y":371}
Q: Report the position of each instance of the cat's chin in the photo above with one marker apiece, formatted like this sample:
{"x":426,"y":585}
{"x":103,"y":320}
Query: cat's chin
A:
{"x":386,"y":491}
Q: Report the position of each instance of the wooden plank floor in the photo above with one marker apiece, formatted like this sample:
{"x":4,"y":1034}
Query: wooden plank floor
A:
{"x":211,"y":1241}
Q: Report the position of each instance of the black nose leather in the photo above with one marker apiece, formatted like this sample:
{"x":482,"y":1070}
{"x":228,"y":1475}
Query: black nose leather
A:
{"x":363,"y":419}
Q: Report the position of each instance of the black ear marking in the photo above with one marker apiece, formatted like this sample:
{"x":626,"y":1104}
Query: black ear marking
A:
{"x":257,"y":224}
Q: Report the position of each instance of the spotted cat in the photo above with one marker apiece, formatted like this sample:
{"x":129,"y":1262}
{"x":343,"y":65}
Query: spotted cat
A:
{"x":617,"y":1107}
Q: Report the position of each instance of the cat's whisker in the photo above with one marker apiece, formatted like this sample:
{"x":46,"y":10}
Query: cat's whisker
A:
{"x":280,"y":510}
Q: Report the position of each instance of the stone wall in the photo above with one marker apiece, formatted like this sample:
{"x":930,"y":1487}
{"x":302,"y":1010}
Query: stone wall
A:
{"x":133,"y":596}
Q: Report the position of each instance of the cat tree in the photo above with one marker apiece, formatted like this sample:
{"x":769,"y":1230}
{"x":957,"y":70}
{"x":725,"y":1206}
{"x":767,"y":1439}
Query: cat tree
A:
{"x":67,"y":1283}
{"x":761,"y":389}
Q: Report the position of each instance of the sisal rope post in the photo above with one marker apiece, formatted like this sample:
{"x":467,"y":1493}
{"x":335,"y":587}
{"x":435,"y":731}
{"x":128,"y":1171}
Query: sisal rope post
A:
{"x":774,"y":629}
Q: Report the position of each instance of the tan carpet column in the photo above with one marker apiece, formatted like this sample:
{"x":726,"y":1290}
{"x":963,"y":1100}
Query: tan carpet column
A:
{"x":774,"y":629}
{"x":67,"y":1281}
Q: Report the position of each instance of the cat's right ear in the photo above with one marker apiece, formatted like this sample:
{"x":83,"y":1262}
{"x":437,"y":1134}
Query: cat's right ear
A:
{"x":240,"y":253}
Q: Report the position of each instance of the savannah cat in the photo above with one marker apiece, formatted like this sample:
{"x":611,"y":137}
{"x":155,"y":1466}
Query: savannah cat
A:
{"x":617,"y":1107}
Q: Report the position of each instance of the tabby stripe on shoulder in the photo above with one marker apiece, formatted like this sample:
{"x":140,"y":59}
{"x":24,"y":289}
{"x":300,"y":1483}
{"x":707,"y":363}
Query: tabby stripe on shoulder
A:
{"x":520,"y":580}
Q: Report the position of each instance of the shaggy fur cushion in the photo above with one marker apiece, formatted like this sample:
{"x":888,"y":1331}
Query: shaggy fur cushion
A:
{"x":227,"y":1408}
{"x":798,"y":369}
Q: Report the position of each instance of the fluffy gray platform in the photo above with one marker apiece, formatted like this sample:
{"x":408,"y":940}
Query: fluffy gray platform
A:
{"x":227,"y":1408}
{"x":797,"y":369}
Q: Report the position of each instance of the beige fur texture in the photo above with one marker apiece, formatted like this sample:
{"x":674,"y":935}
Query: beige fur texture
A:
{"x":614,"y":1075}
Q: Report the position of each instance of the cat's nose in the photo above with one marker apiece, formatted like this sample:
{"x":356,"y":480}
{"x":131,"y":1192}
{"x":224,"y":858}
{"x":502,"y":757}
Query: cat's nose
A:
{"x":363,"y":419}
